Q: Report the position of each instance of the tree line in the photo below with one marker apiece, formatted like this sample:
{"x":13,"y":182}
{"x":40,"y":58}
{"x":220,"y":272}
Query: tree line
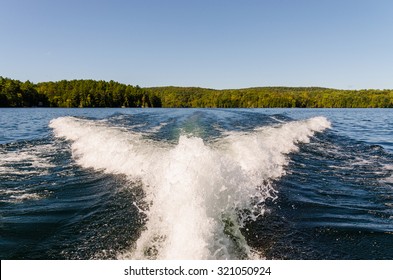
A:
{"x":273,"y":97}
{"x":74,"y":93}
{"x":91,"y":93}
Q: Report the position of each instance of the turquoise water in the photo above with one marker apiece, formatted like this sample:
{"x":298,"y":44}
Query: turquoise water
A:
{"x":196,"y":183}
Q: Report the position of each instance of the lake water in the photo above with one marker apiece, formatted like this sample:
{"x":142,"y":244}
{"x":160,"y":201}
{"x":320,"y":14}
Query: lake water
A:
{"x":196,"y":183}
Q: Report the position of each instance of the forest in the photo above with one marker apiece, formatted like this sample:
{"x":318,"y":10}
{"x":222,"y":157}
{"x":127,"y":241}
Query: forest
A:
{"x":91,"y":93}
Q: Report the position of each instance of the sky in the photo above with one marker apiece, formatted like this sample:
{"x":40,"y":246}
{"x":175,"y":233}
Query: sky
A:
{"x":346,"y":44}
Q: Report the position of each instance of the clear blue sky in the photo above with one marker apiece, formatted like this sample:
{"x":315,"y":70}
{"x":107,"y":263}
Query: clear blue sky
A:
{"x":208,"y":43}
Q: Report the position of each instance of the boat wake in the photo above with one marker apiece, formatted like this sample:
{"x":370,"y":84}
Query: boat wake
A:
{"x":199,"y":194}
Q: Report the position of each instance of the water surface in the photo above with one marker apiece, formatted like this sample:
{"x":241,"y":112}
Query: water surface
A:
{"x":196,"y":183}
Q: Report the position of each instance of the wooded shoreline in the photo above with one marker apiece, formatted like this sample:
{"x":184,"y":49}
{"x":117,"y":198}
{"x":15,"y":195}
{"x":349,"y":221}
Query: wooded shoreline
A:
{"x":91,"y":93}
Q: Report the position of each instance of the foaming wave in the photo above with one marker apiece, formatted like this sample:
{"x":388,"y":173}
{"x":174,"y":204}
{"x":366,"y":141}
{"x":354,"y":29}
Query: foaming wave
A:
{"x":199,"y":194}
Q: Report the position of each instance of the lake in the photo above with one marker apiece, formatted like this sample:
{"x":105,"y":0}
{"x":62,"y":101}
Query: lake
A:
{"x":196,"y":183}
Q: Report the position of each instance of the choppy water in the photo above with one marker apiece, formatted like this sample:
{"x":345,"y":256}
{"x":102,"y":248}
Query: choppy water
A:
{"x":196,"y":184}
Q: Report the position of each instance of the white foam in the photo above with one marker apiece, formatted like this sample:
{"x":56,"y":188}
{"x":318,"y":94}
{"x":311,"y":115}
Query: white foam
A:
{"x":196,"y":191}
{"x":387,"y":171}
{"x":388,"y":167}
{"x":18,"y":196}
{"x":388,"y":180}
{"x":28,"y":160}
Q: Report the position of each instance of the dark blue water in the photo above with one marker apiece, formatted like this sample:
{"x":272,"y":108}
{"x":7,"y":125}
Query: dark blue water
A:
{"x":224,"y":184}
